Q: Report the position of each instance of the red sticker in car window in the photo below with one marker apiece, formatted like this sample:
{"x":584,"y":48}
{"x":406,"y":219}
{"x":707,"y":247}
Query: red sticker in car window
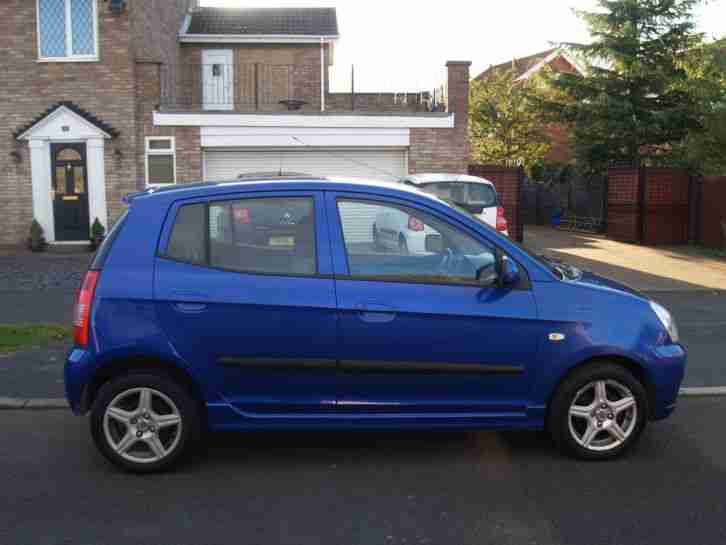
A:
{"x":242,"y":215}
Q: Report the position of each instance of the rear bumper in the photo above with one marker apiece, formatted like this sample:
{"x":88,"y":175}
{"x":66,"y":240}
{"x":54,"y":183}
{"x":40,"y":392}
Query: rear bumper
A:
{"x":77,"y":373}
{"x":667,"y":371}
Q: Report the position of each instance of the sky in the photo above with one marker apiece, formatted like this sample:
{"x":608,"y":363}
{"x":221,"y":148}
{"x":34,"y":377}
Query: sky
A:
{"x":403,"y":45}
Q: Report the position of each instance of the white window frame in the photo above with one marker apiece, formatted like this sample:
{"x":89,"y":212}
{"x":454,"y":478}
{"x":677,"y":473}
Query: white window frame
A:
{"x":166,"y":152}
{"x":70,"y":57}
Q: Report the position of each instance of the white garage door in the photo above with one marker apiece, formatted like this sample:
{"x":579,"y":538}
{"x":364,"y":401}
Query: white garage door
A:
{"x":376,"y":164}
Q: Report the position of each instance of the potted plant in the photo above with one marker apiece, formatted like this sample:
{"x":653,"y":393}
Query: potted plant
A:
{"x":36,"y":240}
{"x":98,"y":232}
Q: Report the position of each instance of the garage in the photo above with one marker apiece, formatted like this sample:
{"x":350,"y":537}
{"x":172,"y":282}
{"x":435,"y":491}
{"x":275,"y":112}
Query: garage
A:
{"x":367,"y":163}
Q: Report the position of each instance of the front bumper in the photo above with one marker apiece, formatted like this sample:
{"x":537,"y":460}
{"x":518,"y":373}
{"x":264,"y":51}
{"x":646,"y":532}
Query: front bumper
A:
{"x":667,"y":371}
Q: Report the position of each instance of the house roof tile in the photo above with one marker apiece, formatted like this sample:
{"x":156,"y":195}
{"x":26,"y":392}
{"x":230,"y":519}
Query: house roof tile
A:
{"x":264,"y":21}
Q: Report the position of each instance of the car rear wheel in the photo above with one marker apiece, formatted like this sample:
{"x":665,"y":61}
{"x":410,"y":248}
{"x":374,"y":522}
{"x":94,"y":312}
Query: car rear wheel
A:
{"x":598,"y":412}
{"x":143,"y":422}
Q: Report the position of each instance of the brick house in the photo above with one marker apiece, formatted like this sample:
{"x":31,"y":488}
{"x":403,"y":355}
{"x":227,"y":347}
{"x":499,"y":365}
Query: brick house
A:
{"x":104,"y":97}
{"x":559,"y":61}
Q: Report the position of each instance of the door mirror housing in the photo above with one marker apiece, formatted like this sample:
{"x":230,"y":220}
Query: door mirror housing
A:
{"x":509,"y":274}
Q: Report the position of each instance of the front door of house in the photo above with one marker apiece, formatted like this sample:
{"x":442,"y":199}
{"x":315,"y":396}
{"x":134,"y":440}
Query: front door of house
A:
{"x":70,"y":190}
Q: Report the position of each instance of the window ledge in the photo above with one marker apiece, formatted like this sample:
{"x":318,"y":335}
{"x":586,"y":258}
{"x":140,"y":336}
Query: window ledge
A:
{"x":68,"y":59}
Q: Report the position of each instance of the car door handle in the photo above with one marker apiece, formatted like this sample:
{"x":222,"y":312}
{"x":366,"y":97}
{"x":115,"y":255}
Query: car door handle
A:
{"x":375,"y":313}
{"x":190,"y":308}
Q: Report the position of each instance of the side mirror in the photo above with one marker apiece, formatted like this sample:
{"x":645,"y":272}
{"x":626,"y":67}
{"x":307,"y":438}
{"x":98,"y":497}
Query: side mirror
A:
{"x":509,"y":272}
{"x":434,"y":244}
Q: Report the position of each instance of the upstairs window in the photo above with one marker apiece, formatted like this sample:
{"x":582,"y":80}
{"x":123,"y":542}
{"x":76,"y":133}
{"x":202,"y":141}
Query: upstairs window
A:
{"x":67,"y":30}
{"x":160,"y":160}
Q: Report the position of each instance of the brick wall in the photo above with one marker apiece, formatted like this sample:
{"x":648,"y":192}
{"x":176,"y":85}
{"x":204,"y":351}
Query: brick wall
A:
{"x":508,"y":182}
{"x":446,"y":150}
{"x":712,"y":212}
{"x":28,"y":88}
{"x":283,"y":72}
{"x":187,"y":139}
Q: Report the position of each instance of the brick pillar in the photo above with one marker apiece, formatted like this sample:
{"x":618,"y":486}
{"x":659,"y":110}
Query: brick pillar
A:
{"x":458,"y":95}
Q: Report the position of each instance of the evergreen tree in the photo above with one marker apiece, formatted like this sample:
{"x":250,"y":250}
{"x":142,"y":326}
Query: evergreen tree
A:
{"x":635,"y":103}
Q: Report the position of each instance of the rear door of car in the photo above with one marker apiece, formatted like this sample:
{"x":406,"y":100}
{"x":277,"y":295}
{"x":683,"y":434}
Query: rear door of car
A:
{"x":244,"y":290}
{"x":420,"y":337}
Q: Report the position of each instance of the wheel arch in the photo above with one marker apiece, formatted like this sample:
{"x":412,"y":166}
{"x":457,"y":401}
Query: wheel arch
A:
{"x":630,"y":364}
{"x":123,"y":366}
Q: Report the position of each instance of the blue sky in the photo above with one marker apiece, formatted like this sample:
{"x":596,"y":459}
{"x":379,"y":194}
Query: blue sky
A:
{"x":399,"y":45}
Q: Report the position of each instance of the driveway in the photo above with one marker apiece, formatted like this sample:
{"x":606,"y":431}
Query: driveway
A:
{"x":650,"y":269}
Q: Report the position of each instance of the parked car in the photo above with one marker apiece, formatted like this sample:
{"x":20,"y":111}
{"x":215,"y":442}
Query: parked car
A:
{"x":186,"y":323}
{"x":477,"y":195}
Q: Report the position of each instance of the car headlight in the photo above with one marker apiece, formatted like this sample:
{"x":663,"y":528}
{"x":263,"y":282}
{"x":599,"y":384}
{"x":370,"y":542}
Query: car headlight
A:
{"x":666,"y":319}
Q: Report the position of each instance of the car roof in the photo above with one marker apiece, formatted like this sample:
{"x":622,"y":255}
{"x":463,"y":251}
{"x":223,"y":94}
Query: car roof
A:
{"x":277,"y":183}
{"x":428,"y":178}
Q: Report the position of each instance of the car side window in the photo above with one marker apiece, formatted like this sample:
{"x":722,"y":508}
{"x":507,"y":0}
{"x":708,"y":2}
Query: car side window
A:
{"x":392,"y":242}
{"x":271,"y":235}
{"x":187,"y":238}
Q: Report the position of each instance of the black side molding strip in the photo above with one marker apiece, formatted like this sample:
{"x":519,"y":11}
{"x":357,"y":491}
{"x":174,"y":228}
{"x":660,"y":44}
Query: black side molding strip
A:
{"x":280,"y":363}
{"x":373,"y":366}
{"x":366,"y":366}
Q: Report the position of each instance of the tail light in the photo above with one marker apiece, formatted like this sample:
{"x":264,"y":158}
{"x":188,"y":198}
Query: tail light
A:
{"x":501,"y":220}
{"x":415,"y":224}
{"x":82,"y":310}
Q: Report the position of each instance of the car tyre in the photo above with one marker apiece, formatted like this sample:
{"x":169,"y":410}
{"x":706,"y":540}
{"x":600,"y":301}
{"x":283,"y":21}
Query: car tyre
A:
{"x":585,"y":425}
{"x":154,"y":414}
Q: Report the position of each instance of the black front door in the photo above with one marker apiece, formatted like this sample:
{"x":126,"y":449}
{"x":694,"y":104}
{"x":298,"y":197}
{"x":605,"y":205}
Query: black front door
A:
{"x":70,"y":188}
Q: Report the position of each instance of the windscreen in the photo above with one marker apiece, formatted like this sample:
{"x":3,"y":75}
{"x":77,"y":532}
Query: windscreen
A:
{"x":463,"y":192}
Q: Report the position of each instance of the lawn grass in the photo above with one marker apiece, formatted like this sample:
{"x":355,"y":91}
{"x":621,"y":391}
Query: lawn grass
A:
{"x":16,"y":337}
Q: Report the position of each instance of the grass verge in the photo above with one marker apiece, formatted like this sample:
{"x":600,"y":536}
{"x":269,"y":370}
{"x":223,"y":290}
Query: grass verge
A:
{"x":16,"y":337}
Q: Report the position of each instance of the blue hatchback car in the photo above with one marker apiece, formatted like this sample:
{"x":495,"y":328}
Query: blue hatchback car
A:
{"x":272,"y":305}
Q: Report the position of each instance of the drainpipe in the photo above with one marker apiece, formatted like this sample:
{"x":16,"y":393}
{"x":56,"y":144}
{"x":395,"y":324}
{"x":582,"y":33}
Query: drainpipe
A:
{"x":322,"y":74}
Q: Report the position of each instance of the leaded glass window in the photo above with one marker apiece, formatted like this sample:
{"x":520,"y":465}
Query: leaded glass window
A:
{"x":67,"y":29}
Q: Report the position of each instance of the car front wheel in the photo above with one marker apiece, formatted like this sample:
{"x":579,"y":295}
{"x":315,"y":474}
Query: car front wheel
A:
{"x":144,"y":423}
{"x":598,"y":412}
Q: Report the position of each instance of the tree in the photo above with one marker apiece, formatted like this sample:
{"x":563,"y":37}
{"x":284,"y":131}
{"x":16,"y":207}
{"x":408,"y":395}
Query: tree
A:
{"x":634,"y":104}
{"x":504,"y":125}
{"x":706,"y":67}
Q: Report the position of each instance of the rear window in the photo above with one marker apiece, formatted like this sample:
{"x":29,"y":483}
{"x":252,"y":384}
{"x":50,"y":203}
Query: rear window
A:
{"x":102,"y":253}
{"x":271,"y":235}
{"x":463,"y":192}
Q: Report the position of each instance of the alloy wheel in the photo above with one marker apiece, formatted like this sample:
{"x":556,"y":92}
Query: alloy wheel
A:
{"x":603,"y":415}
{"x":142,"y":425}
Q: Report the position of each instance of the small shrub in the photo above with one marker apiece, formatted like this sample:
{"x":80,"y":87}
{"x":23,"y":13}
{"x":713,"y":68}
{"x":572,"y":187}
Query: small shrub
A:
{"x":36,"y":240}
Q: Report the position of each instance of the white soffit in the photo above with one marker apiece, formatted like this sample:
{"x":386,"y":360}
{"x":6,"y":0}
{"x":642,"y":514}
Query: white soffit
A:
{"x":286,"y":137}
{"x":429,"y":121}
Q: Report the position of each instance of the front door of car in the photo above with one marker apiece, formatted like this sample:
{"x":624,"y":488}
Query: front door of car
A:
{"x":245,"y":294}
{"x":418,"y":332}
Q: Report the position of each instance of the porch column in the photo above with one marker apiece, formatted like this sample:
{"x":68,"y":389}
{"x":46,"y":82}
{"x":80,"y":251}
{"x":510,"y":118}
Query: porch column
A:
{"x":42,"y":186}
{"x":96,"y":181}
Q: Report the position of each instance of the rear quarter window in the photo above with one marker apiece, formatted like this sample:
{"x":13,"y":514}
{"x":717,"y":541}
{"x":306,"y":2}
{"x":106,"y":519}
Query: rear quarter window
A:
{"x":187,"y":241}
